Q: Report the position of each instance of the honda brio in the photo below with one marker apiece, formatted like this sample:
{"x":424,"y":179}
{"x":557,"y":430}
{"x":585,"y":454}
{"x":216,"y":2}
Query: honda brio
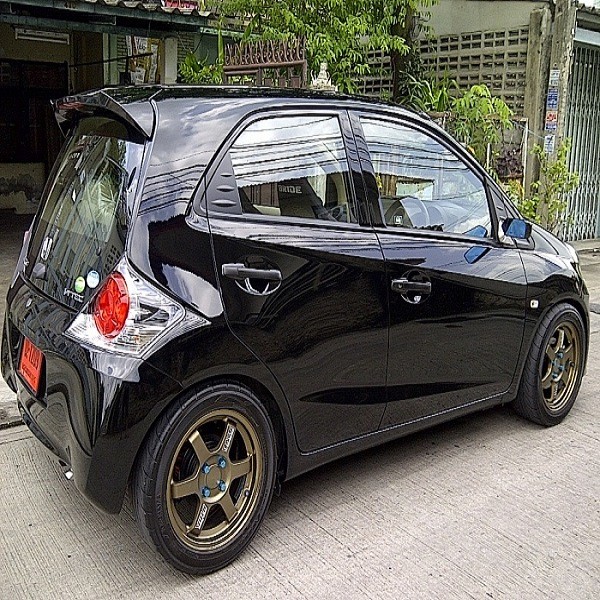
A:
{"x":224,"y":288}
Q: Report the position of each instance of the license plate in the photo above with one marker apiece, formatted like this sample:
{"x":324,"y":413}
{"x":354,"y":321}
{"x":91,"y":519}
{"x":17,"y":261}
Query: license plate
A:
{"x":30,"y":365}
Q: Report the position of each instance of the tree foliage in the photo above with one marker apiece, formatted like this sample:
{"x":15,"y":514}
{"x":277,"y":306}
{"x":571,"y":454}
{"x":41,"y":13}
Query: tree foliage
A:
{"x":338,"y":32}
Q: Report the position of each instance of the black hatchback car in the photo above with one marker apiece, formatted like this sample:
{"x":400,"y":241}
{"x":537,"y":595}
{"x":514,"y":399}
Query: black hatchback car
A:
{"x":225,"y":288}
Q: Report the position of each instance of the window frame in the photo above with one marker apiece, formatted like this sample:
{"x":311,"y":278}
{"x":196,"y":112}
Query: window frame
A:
{"x":354,"y":191}
{"x":431,"y":130}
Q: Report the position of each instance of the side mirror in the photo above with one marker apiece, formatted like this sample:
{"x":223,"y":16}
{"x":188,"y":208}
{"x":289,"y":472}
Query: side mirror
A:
{"x":517,"y":229}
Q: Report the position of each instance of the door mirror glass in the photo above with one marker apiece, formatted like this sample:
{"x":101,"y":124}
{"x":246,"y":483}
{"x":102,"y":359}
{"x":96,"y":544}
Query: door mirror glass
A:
{"x":517,"y":229}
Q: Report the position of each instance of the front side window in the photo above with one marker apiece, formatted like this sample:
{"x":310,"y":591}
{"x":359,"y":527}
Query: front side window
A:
{"x":293,"y":167}
{"x":422,"y":184}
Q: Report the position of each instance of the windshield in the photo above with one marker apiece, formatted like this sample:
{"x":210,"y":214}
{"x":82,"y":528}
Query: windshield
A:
{"x":81,"y":230}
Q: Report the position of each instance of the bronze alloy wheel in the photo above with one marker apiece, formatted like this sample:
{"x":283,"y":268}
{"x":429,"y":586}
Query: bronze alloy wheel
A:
{"x":205,"y":478}
{"x":554,"y":367}
{"x":560,"y":367}
{"x":213,"y":479}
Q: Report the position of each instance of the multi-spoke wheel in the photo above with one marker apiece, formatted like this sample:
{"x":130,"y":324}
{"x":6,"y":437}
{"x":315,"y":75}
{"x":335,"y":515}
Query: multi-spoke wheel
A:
{"x":554,"y":367}
{"x":205,"y":479}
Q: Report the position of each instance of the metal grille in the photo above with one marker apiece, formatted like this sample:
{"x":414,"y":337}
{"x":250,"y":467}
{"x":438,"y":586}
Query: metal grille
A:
{"x":186,"y":44}
{"x":583,"y":127}
{"x":496,"y":58}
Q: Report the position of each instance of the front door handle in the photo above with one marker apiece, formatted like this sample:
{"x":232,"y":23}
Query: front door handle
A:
{"x":406,"y":285}
{"x":240,"y":272}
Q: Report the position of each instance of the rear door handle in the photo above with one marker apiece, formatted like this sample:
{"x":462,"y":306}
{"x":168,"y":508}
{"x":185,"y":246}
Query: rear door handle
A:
{"x":240,"y":272}
{"x":406,"y":285}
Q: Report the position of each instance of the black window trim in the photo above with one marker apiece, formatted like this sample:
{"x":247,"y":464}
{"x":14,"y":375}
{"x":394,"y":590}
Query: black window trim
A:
{"x":341,"y":114}
{"x":430,"y":129}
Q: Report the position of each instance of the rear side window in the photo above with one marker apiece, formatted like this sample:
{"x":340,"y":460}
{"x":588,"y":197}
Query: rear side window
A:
{"x":80,"y":234}
{"x":293,"y":167}
{"x":422,"y":184}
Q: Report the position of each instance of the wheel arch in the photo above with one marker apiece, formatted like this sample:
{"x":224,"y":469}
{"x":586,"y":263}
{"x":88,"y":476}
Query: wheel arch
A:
{"x":576,"y":303}
{"x":265,"y":397}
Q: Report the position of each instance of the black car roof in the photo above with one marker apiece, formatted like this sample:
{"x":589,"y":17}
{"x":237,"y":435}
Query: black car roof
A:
{"x":131,"y":102}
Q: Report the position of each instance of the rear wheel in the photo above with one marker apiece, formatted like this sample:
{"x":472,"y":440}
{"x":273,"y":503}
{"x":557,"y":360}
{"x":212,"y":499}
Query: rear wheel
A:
{"x":554,"y":367}
{"x":205,"y":478}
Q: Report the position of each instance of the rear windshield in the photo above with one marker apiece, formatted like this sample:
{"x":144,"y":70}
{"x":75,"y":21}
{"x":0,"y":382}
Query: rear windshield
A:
{"x":81,"y":230}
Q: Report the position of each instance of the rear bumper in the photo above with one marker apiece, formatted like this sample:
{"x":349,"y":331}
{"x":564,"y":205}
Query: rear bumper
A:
{"x":92,"y":422}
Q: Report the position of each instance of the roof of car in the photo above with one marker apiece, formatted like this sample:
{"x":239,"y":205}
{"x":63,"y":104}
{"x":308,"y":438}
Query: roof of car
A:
{"x":127,"y":100}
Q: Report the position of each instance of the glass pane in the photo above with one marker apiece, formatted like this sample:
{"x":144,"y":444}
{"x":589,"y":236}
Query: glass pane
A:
{"x":293,"y":167}
{"x":422,"y":184}
{"x":82,"y":228}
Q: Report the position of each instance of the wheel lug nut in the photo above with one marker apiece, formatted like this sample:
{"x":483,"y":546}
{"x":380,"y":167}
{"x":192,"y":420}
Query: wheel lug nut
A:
{"x":205,"y":492}
{"x":221,"y":463}
{"x":205,"y":468}
{"x":222,"y":486}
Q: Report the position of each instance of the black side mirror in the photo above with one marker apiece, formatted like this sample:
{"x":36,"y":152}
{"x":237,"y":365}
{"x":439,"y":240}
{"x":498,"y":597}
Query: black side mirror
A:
{"x":517,"y":229}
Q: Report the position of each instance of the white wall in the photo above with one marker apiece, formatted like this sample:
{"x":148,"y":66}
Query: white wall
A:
{"x":463,"y":16}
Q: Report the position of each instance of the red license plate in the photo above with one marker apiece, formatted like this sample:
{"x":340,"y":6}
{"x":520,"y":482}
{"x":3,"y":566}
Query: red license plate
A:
{"x":30,"y":365}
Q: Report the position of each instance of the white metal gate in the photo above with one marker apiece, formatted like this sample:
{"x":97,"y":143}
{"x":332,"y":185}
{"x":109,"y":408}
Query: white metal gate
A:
{"x":583,"y":127}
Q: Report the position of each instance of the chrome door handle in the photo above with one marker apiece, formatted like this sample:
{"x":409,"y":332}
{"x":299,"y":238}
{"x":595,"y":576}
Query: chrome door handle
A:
{"x":240,"y":272}
{"x":406,"y":285}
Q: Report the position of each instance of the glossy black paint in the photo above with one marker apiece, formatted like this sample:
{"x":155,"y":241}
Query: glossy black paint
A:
{"x":341,"y":361}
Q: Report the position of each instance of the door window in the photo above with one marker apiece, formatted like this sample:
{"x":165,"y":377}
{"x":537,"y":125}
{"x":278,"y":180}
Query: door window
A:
{"x":293,"y":167}
{"x":422,"y":184}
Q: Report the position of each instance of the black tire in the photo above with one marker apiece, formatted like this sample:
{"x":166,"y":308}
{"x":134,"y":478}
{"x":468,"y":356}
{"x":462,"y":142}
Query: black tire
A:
{"x":202,"y":515}
{"x":554,"y":367}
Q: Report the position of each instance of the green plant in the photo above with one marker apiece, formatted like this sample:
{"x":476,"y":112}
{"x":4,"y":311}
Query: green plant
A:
{"x":478,"y":120}
{"x":194,"y":70}
{"x":548,"y":203}
{"x":430,"y":95}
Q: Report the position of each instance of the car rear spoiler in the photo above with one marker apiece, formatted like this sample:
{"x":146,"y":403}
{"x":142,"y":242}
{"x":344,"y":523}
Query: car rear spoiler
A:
{"x":139,"y":115}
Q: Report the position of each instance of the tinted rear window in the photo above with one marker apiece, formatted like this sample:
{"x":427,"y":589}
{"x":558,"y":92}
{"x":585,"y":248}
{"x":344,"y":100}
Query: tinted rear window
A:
{"x":81,"y":230}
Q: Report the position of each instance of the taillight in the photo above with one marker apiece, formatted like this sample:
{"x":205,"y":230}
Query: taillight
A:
{"x":129,"y":315}
{"x":111,"y":306}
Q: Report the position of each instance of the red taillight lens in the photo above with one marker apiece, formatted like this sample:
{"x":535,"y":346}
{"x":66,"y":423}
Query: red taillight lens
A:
{"x":111,"y":306}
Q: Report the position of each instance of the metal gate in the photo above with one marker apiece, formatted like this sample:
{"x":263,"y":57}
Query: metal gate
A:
{"x":272,"y":63}
{"x":583,"y":127}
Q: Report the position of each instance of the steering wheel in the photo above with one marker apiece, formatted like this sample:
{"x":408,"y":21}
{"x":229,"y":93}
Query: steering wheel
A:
{"x":416,"y":211}
{"x":407,"y":212}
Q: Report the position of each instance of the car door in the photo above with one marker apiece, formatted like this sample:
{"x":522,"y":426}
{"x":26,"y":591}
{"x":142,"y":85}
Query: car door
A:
{"x":301,"y":271}
{"x":456,"y":294}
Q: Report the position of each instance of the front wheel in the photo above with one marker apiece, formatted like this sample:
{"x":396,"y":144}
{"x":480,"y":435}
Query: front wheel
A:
{"x":554,"y":367}
{"x":205,"y":478}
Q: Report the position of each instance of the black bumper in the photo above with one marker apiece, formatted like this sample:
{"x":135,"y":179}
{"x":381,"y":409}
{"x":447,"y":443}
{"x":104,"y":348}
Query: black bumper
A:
{"x":92,"y":422}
